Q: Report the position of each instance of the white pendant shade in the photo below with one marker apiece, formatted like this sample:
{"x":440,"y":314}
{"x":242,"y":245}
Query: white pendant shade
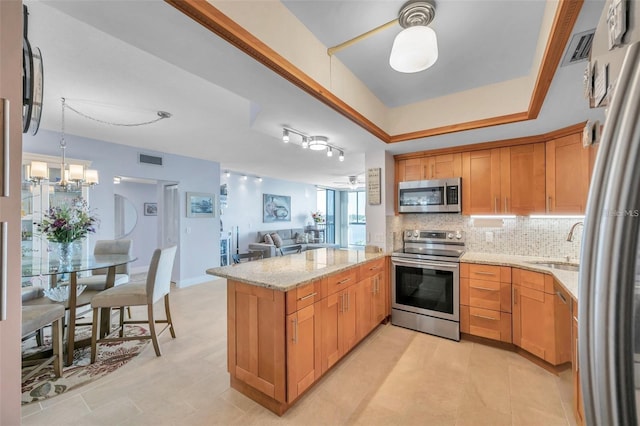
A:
{"x":414,"y":49}
{"x":91,"y":177}
{"x":76,"y":172}
{"x":39,"y":170}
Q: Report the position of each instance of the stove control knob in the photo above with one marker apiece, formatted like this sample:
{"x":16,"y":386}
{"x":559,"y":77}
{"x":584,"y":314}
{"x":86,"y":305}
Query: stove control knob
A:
{"x":450,"y":236}
{"x":458,"y":235}
{"x":416,"y":234}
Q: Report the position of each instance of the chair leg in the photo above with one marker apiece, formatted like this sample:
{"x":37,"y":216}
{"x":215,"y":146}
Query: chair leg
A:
{"x":94,"y":333}
{"x":152,"y":329}
{"x":56,"y":336}
{"x":122,"y":321}
{"x":168,"y":312}
{"x":129,"y":311}
{"x":39,"y":336}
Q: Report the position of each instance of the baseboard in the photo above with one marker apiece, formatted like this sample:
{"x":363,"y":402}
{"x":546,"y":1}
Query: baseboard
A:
{"x":196,"y":280}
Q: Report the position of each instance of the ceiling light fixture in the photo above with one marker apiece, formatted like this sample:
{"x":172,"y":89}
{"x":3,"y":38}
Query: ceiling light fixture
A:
{"x":258,"y":179}
{"x":415,"y":48}
{"x":227,"y":173}
{"x":314,"y":143}
{"x":245,"y":177}
{"x":285,"y":136}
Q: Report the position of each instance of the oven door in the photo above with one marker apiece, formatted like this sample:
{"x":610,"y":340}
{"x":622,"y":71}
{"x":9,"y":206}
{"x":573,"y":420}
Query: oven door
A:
{"x":426,"y":287}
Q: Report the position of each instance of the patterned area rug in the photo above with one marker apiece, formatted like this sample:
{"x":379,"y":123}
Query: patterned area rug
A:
{"x":111,"y":356}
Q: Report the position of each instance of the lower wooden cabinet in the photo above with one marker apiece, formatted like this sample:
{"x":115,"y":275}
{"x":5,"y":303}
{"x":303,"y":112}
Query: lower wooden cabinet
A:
{"x":279,"y":343}
{"x":303,"y":349}
{"x":541,"y":324}
{"x":485,"y":301}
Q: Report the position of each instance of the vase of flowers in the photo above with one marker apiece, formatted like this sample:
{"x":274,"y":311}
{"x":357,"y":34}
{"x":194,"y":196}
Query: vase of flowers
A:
{"x":317,"y":217}
{"x":67,"y":224}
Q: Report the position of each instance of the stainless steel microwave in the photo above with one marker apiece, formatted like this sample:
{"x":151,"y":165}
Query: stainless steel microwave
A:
{"x":430,"y":196}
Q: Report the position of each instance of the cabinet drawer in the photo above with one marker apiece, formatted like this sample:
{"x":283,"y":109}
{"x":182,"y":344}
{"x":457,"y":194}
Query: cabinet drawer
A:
{"x":490,"y":324}
{"x":484,"y":294}
{"x":485,"y":272}
{"x":370,"y":269}
{"x":341,"y":280}
{"x":529,"y":279}
{"x":303,"y":296}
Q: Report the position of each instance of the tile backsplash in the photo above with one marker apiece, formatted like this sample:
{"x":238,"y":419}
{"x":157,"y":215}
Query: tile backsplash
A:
{"x":518,"y":236}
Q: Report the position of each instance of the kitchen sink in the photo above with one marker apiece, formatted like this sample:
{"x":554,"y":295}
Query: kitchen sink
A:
{"x":564,"y":266}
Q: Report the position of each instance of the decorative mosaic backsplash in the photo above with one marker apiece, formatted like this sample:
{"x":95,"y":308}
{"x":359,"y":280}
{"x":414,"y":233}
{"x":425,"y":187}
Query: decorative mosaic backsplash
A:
{"x":519,"y":236}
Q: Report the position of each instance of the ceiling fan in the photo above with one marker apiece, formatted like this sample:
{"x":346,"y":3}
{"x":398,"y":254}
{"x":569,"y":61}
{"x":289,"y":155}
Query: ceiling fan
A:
{"x":352,"y":182}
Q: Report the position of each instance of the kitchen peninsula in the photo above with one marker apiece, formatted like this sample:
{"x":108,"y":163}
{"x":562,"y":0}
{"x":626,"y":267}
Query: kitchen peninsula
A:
{"x":291,"y":318}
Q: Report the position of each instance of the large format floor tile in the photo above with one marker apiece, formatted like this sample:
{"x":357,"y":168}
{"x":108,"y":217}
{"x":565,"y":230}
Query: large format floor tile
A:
{"x":394,"y":377}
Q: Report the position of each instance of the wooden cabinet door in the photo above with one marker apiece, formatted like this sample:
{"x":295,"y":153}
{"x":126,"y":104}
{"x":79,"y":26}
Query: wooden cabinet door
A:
{"x":481,"y":182}
{"x":348,"y":321}
{"x":330,"y":334}
{"x":522,"y":175}
{"x":562,"y":327}
{"x":364,"y":304}
{"x":413,"y":169}
{"x":533,"y":321}
{"x":444,"y":166}
{"x":256,"y":350}
{"x":378,"y":310}
{"x":568,"y":174}
{"x":303,"y":349}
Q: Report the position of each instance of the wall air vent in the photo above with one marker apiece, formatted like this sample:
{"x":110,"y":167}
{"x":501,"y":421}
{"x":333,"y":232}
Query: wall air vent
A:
{"x":150,"y":159}
{"x":579,"y":48}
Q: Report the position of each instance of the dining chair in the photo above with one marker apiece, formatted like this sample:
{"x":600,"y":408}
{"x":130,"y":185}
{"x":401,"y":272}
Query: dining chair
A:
{"x":248,"y":257}
{"x":98,"y":279}
{"x":157,"y":286}
{"x":34,"y":318}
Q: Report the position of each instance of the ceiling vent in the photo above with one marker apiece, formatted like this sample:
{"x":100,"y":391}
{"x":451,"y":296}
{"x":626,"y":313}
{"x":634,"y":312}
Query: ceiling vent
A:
{"x":150,"y":159}
{"x":579,"y":48}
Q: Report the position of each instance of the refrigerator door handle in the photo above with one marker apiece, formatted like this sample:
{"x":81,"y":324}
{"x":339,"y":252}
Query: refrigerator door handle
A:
{"x":609,"y":256}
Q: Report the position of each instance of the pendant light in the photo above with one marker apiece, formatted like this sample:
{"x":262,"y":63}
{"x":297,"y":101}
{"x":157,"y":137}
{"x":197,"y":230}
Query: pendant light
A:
{"x":415,"y":48}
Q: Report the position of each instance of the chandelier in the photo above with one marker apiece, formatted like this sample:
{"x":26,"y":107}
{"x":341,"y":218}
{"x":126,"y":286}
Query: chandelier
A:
{"x":75,"y":176}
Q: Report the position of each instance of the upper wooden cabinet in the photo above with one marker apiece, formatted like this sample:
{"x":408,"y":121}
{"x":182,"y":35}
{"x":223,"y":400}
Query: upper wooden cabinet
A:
{"x":568,"y":167}
{"x":507,"y":180}
{"x":480,"y":181}
{"x":433,"y":167}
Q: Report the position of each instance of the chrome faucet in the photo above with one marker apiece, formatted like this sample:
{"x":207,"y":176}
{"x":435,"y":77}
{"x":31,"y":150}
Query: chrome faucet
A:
{"x":572,"y":230}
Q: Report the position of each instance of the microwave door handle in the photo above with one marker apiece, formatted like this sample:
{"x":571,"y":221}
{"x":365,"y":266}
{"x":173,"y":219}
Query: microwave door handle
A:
{"x":444,"y":196}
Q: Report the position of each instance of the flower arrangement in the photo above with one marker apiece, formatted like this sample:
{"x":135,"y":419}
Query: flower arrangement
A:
{"x":69,"y":222}
{"x":317,"y":217}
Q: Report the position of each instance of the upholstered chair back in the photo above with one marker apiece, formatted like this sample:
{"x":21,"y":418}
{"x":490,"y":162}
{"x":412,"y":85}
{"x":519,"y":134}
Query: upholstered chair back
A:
{"x":159,"y":275}
{"x":113,"y":247}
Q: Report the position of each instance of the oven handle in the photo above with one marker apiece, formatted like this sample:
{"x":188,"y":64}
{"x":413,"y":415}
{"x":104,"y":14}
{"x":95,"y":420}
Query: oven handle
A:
{"x":440,"y":265}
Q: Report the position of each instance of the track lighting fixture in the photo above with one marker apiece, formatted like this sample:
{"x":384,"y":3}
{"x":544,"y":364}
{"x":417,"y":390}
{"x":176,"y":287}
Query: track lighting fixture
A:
{"x":314,"y":143}
{"x":245,"y":177}
{"x":258,"y":179}
{"x":227,"y":173}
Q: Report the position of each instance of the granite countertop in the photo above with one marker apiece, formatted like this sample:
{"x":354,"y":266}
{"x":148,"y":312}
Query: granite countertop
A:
{"x":568,"y":279}
{"x":288,"y":272}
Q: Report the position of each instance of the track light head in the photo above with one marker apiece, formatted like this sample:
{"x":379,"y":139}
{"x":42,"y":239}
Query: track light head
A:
{"x":285,"y":136}
{"x":305,"y":142}
{"x":329,"y":152}
{"x":341,"y":156}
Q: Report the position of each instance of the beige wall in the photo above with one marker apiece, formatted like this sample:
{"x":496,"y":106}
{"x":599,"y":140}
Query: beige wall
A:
{"x":11,"y":88}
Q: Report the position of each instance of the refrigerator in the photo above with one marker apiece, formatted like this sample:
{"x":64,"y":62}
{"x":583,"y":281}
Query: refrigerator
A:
{"x":609,"y":280}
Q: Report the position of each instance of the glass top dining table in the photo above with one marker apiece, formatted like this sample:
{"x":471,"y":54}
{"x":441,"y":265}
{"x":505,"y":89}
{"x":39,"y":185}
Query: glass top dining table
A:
{"x":33,"y":266}
{"x":50,"y":265}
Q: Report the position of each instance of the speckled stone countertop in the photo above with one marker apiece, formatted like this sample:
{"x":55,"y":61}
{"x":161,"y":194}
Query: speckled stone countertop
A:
{"x":568,"y":279}
{"x":288,"y":272}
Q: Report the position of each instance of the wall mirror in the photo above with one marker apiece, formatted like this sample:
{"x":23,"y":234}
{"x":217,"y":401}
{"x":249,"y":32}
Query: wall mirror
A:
{"x":126,"y":216}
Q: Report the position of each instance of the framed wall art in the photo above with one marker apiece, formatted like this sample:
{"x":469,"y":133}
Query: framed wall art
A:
{"x":276,"y":208}
{"x":200,"y":204}
{"x":151,"y":209}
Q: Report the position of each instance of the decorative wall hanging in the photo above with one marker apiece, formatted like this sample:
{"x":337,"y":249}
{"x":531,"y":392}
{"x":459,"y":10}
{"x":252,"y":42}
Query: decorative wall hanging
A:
{"x":276,"y":208}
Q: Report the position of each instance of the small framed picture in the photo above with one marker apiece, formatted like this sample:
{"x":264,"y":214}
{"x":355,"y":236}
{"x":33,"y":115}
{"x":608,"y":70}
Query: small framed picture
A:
{"x":151,"y":209}
{"x":200,"y":204}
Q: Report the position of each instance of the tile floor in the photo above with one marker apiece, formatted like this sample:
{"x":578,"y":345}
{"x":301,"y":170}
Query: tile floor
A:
{"x":394,"y":377}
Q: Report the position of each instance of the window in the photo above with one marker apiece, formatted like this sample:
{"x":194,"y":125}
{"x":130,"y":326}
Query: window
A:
{"x":357,"y":220}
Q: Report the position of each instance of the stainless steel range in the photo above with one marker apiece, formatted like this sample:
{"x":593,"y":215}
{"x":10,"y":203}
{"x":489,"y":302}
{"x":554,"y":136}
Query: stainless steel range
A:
{"x":425,"y":280}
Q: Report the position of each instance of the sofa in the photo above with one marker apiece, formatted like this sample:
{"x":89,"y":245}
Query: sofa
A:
{"x":294,"y":240}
